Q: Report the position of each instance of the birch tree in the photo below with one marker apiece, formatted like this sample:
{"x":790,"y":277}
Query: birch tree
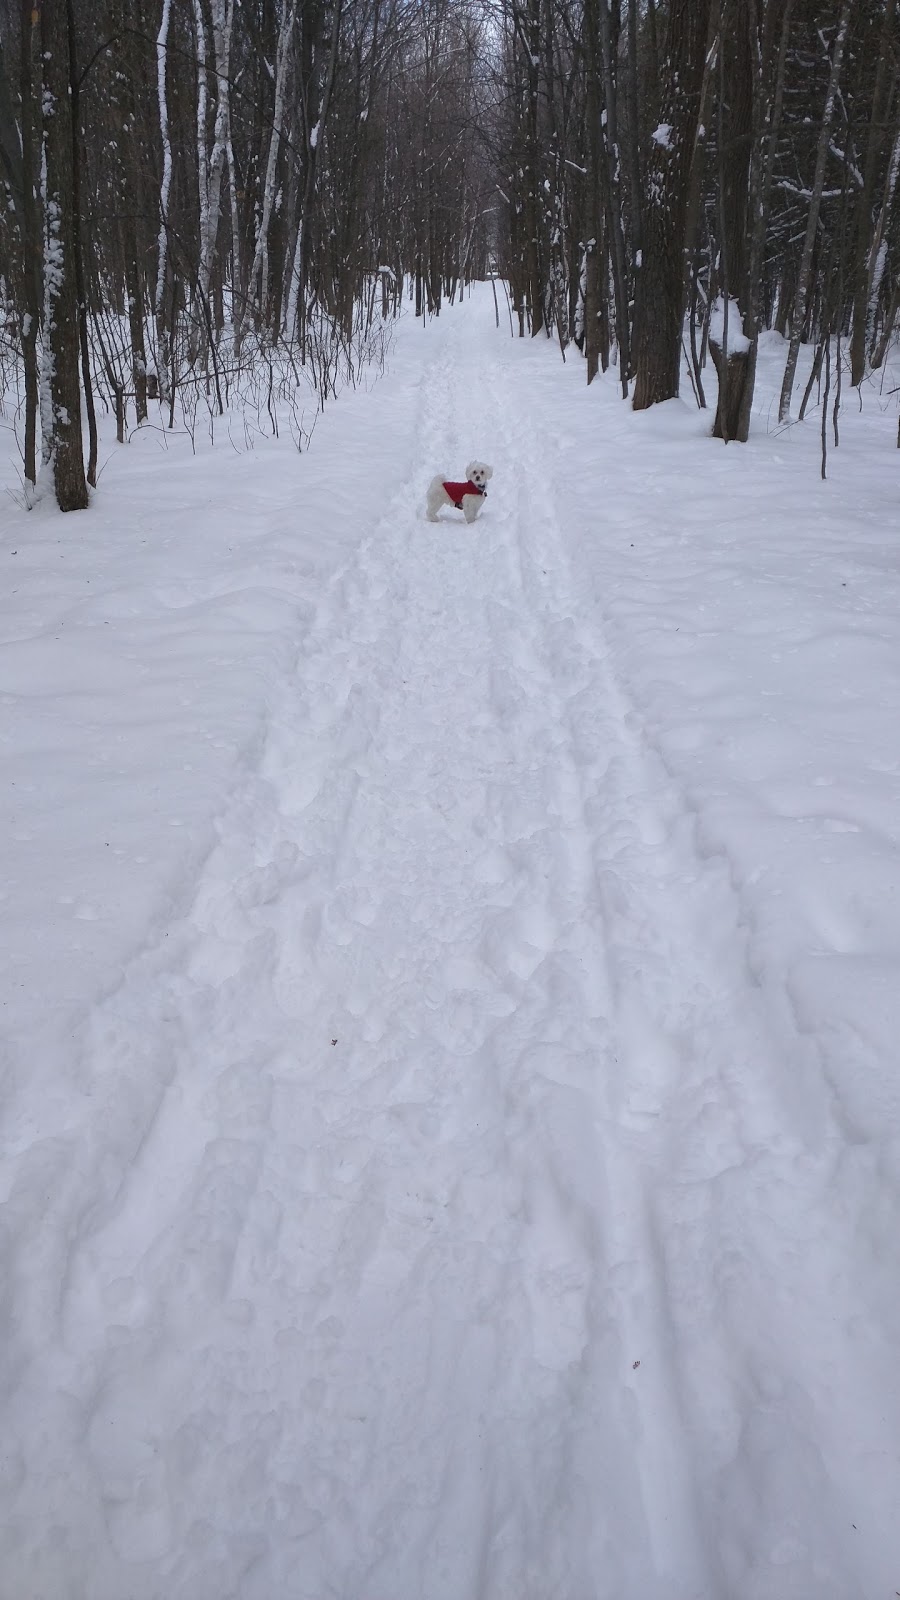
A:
{"x":258,"y":280}
{"x":211,"y":164}
{"x":877,"y":262}
{"x":369,"y":144}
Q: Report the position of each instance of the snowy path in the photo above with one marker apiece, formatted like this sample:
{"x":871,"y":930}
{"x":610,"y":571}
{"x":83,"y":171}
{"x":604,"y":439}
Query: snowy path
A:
{"x":474,"y":1233}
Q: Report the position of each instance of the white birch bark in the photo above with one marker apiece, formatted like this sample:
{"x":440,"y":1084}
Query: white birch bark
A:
{"x":237,"y":302}
{"x":259,"y":270}
{"x":211,"y":167}
{"x":290,"y":318}
{"x":165,"y":187}
{"x":878,"y":250}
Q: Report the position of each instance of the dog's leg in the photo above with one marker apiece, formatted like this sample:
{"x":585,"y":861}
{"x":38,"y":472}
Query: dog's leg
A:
{"x":435,"y":498}
{"x":470,"y":505}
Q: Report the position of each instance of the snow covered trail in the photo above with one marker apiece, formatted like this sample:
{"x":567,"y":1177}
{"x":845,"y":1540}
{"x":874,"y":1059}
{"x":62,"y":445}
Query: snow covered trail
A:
{"x":474,"y":1238}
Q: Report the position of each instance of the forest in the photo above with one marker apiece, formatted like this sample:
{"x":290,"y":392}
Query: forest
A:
{"x":219,"y":206}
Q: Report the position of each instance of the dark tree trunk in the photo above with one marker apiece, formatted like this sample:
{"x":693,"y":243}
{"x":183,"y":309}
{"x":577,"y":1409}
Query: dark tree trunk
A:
{"x":733,"y":365}
{"x":61,"y":318}
{"x":801,"y":307}
{"x":861,"y":274}
{"x":532,"y":206}
{"x":634,"y":129}
{"x":32,"y":253}
{"x":602,"y":54}
{"x":768,"y":74}
{"x":81,"y":292}
{"x":136,"y":326}
{"x":660,"y":307}
{"x":595,"y":255}
{"x":131,"y":242}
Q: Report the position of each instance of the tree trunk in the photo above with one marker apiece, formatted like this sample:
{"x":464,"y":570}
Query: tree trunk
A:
{"x":81,"y":293}
{"x":32,"y":251}
{"x":211,"y":165}
{"x":660,"y":307}
{"x":258,"y":281}
{"x":600,"y":66}
{"x":768,"y":100}
{"x":134,"y":297}
{"x":732,"y":358}
{"x":878,"y":245}
{"x":295,"y":322}
{"x":879,"y":349}
{"x":530,"y":30}
{"x":60,"y":300}
{"x":865,"y":249}
{"x":594,"y":246}
{"x":798,"y":317}
{"x":634,"y":122}
{"x":163,"y":332}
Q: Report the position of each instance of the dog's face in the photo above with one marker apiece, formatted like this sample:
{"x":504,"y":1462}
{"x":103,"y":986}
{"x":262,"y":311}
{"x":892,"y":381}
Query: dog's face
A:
{"x":478,"y":473}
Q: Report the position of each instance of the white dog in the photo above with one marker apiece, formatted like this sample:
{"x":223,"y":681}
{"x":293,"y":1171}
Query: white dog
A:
{"x":466,"y":497}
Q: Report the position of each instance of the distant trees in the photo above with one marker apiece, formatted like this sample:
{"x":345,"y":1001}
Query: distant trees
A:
{"x":206,"y":203}
{"x":234,"y":195}
{"x":738,"y":158}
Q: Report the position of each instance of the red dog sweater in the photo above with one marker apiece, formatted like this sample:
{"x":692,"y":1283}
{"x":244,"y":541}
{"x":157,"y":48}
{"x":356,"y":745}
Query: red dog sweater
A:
{"x":456,"y":491}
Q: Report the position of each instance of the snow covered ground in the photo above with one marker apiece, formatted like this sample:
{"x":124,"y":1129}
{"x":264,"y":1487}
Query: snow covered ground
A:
{"x":451,"y":995}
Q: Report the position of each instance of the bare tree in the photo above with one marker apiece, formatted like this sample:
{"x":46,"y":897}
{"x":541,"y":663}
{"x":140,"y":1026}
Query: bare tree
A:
{"x":61,"y":350}
{"x":868,"y":239}
{"x":602,"y":44}
{"x":258,"y":282}
{"x":163,"y":332}
{"x":367,"y":145}
{"x":660,"y":309}
{"x":19,"y":151}
{"x":815,"y":200}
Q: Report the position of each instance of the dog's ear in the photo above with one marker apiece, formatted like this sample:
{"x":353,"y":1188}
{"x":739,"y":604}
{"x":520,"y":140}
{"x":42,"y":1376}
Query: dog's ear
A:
{"x":471,"y":468}
{"x":488,"y":472}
